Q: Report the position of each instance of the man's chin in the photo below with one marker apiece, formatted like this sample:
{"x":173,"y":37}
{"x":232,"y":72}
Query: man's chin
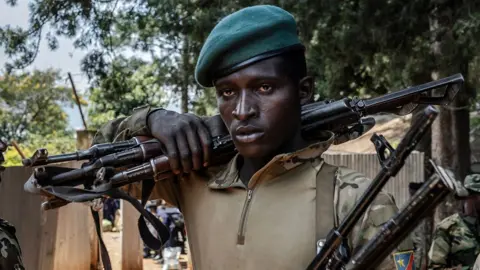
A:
{"x":252,"y":151}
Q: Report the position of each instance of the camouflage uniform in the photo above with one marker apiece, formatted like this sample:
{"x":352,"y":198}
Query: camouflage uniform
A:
{"x":456,"y":241}
{"x":10,"y":252}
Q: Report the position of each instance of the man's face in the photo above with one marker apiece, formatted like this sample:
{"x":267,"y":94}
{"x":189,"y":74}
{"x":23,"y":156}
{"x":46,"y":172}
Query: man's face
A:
{"x":260,"y":106}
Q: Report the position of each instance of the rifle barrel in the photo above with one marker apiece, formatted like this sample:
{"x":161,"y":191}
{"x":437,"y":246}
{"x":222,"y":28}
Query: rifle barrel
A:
{"x":40,"y":157}
{"x":143,"y":152}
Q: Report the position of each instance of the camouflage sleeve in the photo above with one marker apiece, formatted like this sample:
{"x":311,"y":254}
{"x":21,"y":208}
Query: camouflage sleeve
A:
{"x":440,"y":247}
{"x":10,"y":251}
{"x":350,"y":187}
{"x":125,"y":128}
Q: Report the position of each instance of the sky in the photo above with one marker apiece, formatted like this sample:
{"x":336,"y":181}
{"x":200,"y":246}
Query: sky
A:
{"x":65,"y":58}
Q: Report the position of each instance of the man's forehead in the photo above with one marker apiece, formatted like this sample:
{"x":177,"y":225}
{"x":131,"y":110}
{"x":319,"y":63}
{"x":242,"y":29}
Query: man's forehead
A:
{"x":270,"y":67}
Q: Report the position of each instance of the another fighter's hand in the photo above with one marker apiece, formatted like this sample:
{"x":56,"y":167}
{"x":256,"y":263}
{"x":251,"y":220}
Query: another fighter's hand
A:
{"x":185,"y":137}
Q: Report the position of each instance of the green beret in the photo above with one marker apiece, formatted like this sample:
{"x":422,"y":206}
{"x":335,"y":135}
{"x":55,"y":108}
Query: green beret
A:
{"x":472,"y":182}
{"x":247,"y":36}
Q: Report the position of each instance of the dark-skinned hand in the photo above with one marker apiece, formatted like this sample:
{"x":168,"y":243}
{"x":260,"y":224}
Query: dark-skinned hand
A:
{"x":185,"y":137}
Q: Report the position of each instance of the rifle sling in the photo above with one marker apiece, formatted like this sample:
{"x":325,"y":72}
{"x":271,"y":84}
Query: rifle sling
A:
{"x":325,"y":201}
{"x":72,"y":194}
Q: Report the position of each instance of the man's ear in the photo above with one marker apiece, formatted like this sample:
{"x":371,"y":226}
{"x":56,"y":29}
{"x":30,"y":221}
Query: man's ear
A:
{"x":306,"y":86}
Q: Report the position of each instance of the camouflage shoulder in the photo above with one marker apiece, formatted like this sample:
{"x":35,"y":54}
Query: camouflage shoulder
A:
{"x":10,"y":250}
{"x":107,"y":132}
{"x":5,"y":225}
{"x":448,"y":222}
{"x":351,"y":179}
{"x":350,"y":186}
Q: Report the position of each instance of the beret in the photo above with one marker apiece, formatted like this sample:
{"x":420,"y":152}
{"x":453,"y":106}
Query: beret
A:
{"x":472,"y":182}
{"x":244,"y":37}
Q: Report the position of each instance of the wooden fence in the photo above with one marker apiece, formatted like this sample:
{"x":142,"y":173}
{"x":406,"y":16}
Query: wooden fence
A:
{"x":50,"y":240}
{"x":64,"y":238}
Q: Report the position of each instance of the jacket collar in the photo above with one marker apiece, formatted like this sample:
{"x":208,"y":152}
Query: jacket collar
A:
{"x":229,"y":177}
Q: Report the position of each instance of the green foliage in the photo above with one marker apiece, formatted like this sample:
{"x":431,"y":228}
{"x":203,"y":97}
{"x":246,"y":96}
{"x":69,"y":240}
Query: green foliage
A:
{"x":32,"y":103}
{"x":55,"y":143}
{"x":128,"y":83}
{"x":357,"y":47}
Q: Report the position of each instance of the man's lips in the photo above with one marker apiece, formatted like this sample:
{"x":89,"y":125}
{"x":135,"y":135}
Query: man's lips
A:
{"x":248,"y":134}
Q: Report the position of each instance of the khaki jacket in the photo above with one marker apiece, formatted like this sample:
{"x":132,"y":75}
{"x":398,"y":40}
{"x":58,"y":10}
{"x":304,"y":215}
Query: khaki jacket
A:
{"x":275,"y":221}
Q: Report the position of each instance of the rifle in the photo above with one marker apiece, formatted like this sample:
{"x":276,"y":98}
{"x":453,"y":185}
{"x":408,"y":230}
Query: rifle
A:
{"x":425,"y":200}
{"x":344,"y":117}
{"x":331,"y":255}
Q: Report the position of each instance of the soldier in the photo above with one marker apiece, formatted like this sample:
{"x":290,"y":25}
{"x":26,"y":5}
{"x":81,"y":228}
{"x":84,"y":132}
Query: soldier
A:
{"x":10,"y":252}
{"x":456,"y":241}
{"x":235,"y":214}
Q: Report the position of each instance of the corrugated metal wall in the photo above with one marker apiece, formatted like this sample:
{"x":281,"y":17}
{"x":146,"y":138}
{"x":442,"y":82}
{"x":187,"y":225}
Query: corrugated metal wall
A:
{"x":368,"y":164}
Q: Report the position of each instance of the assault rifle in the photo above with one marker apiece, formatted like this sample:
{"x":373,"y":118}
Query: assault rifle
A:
{"x":346,"y":118}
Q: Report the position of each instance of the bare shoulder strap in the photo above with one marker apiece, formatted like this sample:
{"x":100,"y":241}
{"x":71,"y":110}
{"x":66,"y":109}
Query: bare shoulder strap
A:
{"x":325,"y":206}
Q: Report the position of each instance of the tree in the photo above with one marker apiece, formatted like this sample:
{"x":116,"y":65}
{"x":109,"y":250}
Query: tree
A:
{"x":55,"y":144}
{"x":32,"y":103}
{"x":128,"y":83}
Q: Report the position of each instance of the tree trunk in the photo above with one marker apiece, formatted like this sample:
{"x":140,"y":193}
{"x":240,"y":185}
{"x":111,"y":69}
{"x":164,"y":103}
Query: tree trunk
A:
{"x":186,"y":74}
{"x":422,"y":235}
{"x":450,"y":139}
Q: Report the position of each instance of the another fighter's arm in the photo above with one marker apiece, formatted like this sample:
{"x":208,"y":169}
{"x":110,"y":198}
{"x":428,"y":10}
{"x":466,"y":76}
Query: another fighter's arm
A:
{"x":351,"y":185}
{"x":439,"y":251}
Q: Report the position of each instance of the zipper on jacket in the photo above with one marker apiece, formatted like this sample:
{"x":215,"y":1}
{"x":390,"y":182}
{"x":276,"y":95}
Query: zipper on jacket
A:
{"x":246,"y":206}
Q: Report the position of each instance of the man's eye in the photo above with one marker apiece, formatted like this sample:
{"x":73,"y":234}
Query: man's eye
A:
{"x":265,"y":88}
{"x":227,"y":93}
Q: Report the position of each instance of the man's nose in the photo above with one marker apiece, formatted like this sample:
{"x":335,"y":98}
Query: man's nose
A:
{"x":245,"y":108}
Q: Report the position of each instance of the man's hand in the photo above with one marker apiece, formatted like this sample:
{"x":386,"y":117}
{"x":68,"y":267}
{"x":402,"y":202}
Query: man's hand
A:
{"x":186,"y":139}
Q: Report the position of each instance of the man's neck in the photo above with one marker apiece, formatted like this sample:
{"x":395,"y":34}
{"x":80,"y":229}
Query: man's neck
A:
{"x":249,"y":166}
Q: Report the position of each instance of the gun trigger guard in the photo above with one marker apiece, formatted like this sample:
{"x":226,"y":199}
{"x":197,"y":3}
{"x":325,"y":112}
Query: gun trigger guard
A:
{"x":381,"y":145}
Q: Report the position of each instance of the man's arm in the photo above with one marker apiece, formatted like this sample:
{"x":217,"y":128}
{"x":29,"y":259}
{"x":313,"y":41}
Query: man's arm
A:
{"x":125,"y":128}
{"x":350,"y":187}
{"x":439,"y":249}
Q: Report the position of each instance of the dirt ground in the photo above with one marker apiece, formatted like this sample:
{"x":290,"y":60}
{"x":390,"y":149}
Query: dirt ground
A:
{"x":113,"y":243}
